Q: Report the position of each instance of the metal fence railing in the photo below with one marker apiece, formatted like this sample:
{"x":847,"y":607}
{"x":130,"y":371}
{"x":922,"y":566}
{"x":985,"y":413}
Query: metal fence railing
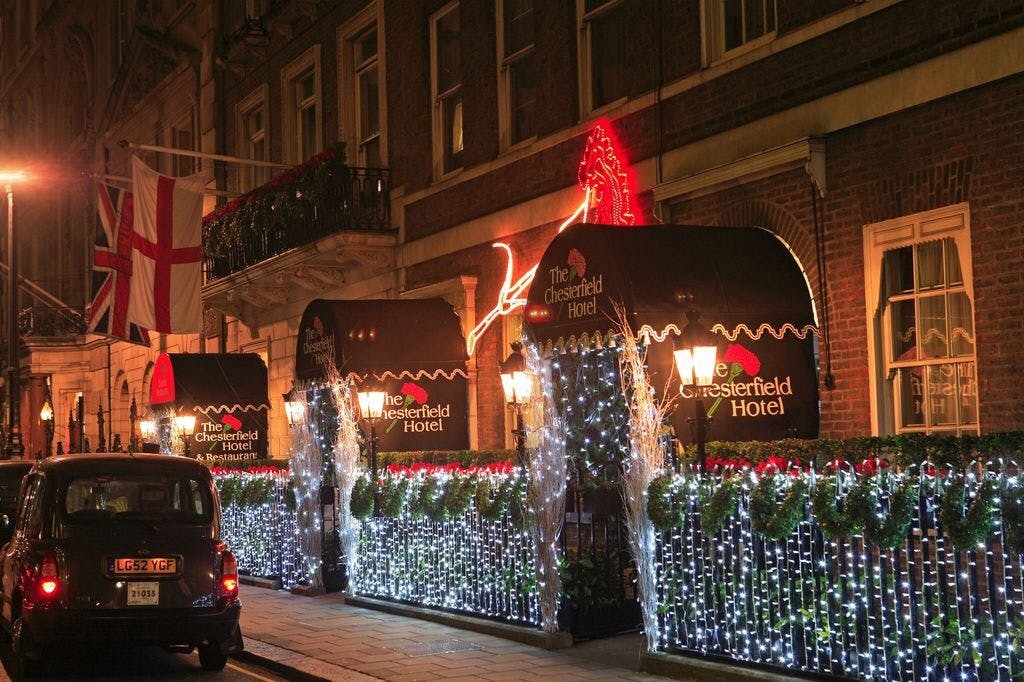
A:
{"x":946,"y":603}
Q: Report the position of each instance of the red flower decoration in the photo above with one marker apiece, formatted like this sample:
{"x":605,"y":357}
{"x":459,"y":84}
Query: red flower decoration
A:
{"x":417,"y":393}
{"x":231,"y":420}
{"x":577,"y":262}
{"x":739,"y":355}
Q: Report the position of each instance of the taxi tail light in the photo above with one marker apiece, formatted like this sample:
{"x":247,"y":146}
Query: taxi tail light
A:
{"x":228,"y":574}
{"x":48,"y":585}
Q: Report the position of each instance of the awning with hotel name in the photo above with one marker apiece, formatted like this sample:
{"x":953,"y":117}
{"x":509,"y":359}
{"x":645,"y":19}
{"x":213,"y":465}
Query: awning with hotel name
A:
{"x":745,"y":283}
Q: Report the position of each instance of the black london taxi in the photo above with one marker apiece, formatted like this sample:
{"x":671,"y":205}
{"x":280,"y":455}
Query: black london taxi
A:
{"x":12,"y":472}
{"x":119,"y":549}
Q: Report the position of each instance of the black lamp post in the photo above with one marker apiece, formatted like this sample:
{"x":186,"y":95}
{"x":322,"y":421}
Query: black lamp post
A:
{"x":13,"y":449}
{"x":46,"y":415}
{"x":185,"y":425}
{"x":294,"y":410}
{"x":695,"y":359}
{"x":371,"y":407}
{"x":517,"y":385}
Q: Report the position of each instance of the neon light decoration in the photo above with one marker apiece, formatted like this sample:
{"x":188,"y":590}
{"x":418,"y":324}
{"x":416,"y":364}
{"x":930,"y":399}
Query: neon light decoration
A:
{"x":604,"y":184}
{"x":601,"y":174}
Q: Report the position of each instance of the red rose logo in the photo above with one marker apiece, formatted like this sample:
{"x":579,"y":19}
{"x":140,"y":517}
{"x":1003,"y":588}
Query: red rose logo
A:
{"x":232,"y":422}
{"x":740,"y":360}
{"x":738,"y":355}
{"x":577,"y":262}
{"x":412,"y":393}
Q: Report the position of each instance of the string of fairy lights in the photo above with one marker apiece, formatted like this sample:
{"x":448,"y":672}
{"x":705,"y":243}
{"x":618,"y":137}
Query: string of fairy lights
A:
{"x":464,"y":563}
{"x":922,"y":610}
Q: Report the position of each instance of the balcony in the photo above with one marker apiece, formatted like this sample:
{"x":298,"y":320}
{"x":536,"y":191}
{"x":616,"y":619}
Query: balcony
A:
{"x":50,"y":321}
{"x":308,"y":230}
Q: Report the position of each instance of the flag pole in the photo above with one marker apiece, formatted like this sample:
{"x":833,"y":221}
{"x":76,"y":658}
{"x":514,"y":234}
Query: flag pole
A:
{"x":125,"y":144}
{"x":124,"y":179}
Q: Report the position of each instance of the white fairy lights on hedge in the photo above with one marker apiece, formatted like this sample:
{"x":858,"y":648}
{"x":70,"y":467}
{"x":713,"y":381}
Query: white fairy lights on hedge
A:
{"x":260,"y":526}
{"x":464,"y":563}
{"x":944,"y":603}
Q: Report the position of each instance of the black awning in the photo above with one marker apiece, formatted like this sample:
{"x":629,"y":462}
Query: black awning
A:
{"x":741,"y":278}
{"x":228,"y":381}
{"x":749,"y":290}
{"x":226,"y":392}
{"x":385,"y":339}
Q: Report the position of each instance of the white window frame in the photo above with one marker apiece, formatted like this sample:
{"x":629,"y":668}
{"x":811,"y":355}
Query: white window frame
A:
{"x":505,"y":80}
{"x":249,"y":176}
{"x":290,"y":118}
{"x":585,"y":61}
{"x":713,"y":34}
{"x":185,"y":124}
{"x":437,"y":98}
{"x":952,"y":222}
{"x":349,"y":104}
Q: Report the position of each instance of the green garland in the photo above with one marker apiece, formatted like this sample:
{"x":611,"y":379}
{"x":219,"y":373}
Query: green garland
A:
{"x":392,"y":496}
{"x":518,"y":513}
{"x":771,"y":517}
{"x":424,"y":503}
{"x":659,"y":504}
{"x":457,"y":494}
{"x":1013,"y":518}
{"x":967,"y":529}
{"x":720,"y":506}
{"x":361,"y":504}
{"x":824,"y":506}
{"x":862,"y":503}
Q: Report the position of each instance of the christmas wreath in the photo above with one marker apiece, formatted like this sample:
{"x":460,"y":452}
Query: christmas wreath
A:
{"x":721,"y":504}
{"x":773,"y":518}
{"x":361,"y":504}
{"x":862,"y":503}
{"x":967,"y":528}
{"x":392,"y":496}
{"x":662,"y":511}
{"x":825,"y":507}
{"x":457,"y":494}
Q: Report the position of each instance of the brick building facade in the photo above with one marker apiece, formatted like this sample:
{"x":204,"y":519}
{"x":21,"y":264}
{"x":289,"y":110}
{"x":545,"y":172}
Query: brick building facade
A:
{"x":852,"y":129}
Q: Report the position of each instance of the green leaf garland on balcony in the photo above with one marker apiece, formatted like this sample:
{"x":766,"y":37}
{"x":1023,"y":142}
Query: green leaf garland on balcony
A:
{"x":966,"y":528}
{"x":774,"y":518}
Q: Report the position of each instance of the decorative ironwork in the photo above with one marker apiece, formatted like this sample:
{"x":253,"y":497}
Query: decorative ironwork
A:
{"x":298,"y":207}
{"x":42,"y":320}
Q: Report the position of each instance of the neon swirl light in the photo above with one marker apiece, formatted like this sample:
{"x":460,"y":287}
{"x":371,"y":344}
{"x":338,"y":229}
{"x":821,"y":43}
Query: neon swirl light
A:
{"x":606,"y":185}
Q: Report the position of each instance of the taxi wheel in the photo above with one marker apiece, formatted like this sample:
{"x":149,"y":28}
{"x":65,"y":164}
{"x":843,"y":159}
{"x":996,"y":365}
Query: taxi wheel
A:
{"x":21,"y":640}
{"x":211,"y":657}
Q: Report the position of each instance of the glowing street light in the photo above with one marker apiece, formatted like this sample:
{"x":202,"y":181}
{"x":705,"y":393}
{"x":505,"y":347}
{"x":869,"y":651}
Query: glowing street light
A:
{"x":13,"y":448}
{"x":185,"y":425}
{"x":517,"y":385}
{"x":695,"y":359}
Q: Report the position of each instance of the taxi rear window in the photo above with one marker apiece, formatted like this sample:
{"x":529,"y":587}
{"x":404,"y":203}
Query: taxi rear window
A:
{"x":150,"y":499}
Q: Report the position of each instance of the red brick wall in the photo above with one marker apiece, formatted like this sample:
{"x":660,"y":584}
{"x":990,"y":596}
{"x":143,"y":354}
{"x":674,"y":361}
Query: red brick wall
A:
{"x":963,"y":148}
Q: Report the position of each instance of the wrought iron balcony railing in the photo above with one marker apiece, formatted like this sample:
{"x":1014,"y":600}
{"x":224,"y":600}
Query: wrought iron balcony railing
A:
{"x":300,"y":206}
{"x":50,"y":321}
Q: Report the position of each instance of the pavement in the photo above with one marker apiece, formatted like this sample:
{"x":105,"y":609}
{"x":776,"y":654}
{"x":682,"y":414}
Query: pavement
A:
{"x":323,"y":638}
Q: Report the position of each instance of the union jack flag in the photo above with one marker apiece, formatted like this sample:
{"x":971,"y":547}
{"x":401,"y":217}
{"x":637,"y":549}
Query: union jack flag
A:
{"x":112,"y":268}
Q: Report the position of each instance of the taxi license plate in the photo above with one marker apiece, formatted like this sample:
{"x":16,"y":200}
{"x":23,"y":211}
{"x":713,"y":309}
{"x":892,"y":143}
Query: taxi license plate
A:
{"x":144,"y":594}
{"x":145,"y":566}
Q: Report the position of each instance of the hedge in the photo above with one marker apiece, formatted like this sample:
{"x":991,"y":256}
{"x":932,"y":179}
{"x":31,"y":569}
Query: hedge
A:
{"x":466,"y":458}
{"x":903,"y":450}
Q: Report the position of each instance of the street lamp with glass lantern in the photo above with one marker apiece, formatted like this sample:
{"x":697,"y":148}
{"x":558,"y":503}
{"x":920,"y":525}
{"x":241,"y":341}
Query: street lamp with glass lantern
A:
{"x":517,"y":385}
{"x":147,"y":427}
{"x":46,"y":415}
{"x":696,"y":358}
{"x":371,"y":408}
{"x":294,"y":410}
{"x":185,"y":425}
{"x":13,"y":449}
